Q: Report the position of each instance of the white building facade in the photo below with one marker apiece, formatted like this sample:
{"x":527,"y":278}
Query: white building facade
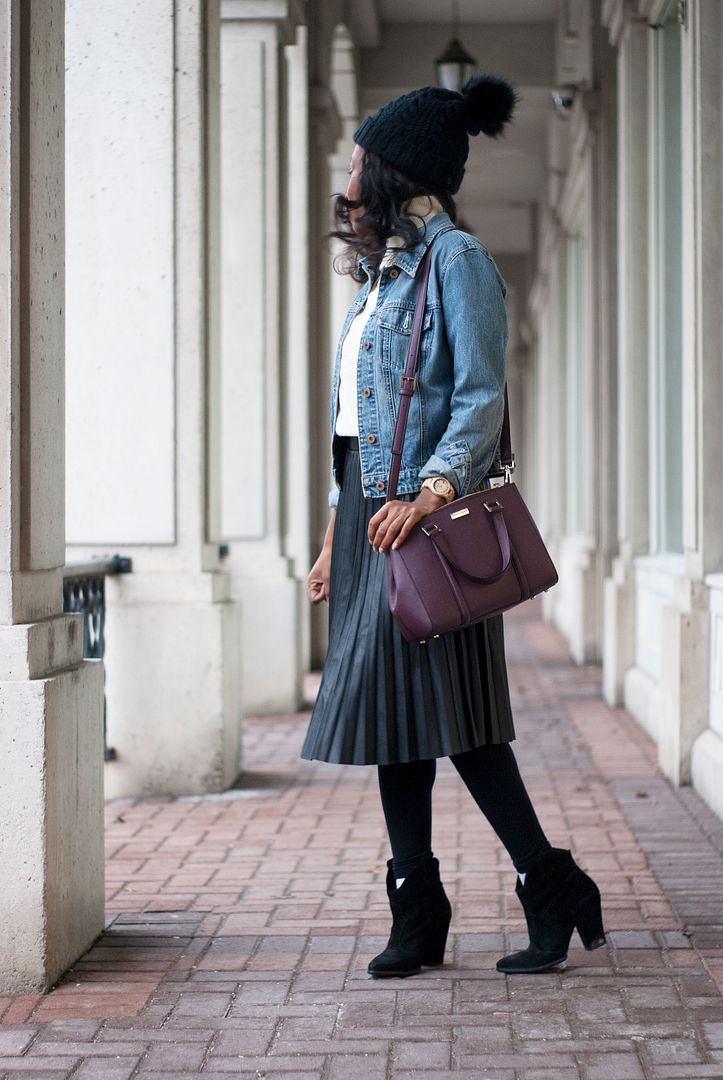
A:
{"x":168,"y":339}
{"x":625,"y":320}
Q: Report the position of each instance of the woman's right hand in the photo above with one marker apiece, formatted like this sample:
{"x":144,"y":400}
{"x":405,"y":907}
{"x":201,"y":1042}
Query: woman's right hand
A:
{"x":317,"y":583}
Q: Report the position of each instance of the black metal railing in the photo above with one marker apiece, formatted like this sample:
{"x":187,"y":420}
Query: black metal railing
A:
{"x":84,"y":592}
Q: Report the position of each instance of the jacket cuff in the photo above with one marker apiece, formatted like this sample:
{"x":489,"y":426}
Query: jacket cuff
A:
{"x":333,"y":498}
{"x":457,"y":472}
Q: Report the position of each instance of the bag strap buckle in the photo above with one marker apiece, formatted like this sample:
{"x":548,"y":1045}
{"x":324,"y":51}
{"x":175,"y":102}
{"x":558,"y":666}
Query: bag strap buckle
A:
{"x":410,"y":379}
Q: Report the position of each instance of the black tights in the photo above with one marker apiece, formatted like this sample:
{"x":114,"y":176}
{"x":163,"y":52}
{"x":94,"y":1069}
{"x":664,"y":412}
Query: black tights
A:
{"x":493,"y":779}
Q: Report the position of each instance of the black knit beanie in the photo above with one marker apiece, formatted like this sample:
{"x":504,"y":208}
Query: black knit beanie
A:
{"x":425,"y":133}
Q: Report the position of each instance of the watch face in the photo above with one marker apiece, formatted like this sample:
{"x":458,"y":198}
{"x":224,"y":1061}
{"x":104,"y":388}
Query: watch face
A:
{"x":440,"y":485}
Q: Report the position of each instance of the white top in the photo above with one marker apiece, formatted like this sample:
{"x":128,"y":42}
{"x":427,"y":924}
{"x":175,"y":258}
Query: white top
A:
{"x":347,"y":418}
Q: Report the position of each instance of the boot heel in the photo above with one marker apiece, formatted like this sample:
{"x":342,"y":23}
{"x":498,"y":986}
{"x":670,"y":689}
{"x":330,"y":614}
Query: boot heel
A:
{"x":436,"y":943}
{"x":590,"y":925}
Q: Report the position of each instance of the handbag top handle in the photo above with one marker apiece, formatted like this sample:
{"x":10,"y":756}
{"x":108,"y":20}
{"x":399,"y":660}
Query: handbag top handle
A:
{"x":407,"y":384}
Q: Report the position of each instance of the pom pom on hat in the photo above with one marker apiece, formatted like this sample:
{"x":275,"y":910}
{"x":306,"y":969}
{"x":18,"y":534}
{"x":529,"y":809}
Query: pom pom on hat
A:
{"x":488,"y":104}
{"x":425,"y":133}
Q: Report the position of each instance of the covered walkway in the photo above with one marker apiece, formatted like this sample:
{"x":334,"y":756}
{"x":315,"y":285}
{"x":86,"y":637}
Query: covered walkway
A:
{"x":167,"y":344}
{"x":240,"y":925}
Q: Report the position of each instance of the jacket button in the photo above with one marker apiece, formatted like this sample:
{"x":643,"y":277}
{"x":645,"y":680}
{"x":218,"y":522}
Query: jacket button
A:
{"x":371,"y":438}
{"x":394,"y":273}
{"x":367,"y":391}
{"x":367,"y":344}
{"x":379,"y":485}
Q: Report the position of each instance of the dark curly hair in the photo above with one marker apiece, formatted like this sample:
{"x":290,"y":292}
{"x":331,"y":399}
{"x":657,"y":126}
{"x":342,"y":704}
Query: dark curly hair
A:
{"x":383,"y":190}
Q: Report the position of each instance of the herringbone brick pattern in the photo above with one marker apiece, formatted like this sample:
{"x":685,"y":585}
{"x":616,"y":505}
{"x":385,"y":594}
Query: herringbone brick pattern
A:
{"x":240,"y":925}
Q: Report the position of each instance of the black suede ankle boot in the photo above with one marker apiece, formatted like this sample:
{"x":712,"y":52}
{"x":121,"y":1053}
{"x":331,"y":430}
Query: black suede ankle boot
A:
{"x":557,"y":897}
{"x":421,"y":915}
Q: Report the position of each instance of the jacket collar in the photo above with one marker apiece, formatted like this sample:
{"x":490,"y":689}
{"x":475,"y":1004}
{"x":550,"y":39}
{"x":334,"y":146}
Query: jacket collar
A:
{"x":409,"y":260}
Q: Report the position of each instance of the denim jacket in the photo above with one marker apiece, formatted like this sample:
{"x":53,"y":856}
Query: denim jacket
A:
{"x":455,"y":415}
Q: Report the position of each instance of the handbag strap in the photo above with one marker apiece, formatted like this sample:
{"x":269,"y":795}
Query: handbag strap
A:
{"x":407,"y":385}
{"x":408,"y":381}
{"x":506,"y":457}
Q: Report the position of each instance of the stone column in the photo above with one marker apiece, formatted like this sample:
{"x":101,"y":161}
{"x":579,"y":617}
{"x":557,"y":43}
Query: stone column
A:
{"x":545,"y":309}
{"x":326,"y":299}
{"x":596,"y":503}
{"x":256,"y":447}
{"x":336,"y":124}
{"x":335,"y":118}
{"x":604,"y":225}
{"x":686,"y":677}
{"x":577,"y":594}
{"x":707,"y":46}
{"x":630,"y":36}
{"x":342,"y":287}
{"x":143,"y":385}
{"x":296,"y":380}
{"x":51,"y":700}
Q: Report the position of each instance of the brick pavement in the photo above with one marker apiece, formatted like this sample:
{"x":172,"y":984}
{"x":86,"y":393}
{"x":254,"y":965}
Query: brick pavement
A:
{"x":239,"y":926}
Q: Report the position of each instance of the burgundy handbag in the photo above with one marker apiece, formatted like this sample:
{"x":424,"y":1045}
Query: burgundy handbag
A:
{"x":475,"y":557}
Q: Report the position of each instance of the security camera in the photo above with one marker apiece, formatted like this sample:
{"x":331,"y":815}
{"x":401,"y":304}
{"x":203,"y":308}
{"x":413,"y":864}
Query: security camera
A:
{"x":563,"y":98}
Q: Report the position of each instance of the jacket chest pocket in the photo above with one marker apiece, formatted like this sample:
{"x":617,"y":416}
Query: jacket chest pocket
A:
{"x":395,"y":331}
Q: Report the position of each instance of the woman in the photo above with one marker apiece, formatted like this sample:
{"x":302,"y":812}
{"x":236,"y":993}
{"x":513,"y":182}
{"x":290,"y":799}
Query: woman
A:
{"x":383,"y":700}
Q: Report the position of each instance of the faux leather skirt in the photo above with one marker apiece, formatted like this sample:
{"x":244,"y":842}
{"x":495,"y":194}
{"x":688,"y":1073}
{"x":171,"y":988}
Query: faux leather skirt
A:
{"x":383,"y":699}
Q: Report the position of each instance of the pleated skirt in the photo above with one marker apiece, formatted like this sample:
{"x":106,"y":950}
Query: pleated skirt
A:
{"x":383,"y":699}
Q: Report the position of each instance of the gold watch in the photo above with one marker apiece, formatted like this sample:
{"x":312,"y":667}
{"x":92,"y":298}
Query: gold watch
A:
{"x":440,"y":485}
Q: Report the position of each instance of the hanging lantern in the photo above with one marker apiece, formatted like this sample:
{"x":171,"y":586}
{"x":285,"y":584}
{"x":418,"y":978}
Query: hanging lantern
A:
{"x":455,"y":64}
